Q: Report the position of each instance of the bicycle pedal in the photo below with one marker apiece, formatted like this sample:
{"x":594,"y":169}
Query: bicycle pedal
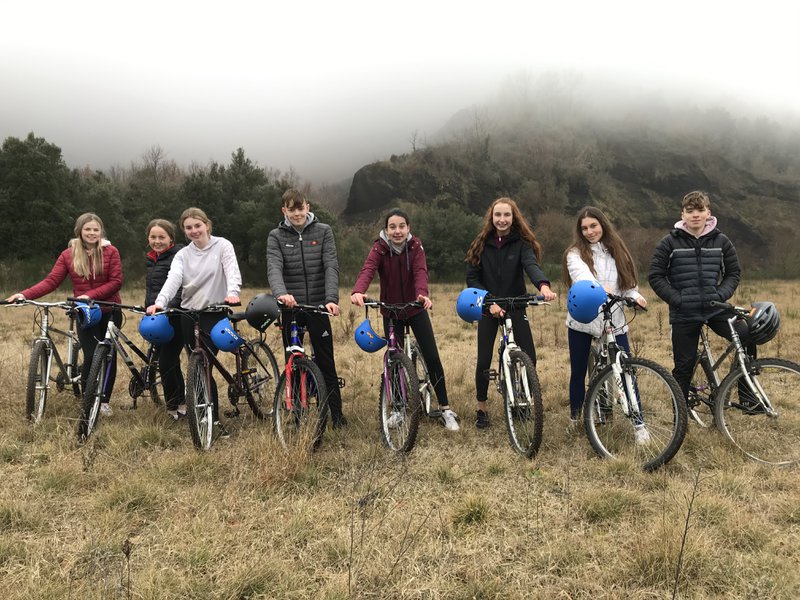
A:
{"x":232,"y":414}
{"x":491,"y":374}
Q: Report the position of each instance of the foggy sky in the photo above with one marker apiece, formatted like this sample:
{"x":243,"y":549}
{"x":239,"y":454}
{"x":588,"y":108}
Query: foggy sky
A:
{"x":327,"y":87}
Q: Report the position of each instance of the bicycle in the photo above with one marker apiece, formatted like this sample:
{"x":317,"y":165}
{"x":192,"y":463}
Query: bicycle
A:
{"x":43,"y":350}
{"x":633,"y":408}
{"x":253,"y":377}
{"x":515,"y":377}
{"x":399,"y":401}
{"x":762,"y":417}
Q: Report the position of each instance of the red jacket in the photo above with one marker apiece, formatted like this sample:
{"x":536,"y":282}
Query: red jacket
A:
{"x":103,"y":287}
{"x":403,"y":277}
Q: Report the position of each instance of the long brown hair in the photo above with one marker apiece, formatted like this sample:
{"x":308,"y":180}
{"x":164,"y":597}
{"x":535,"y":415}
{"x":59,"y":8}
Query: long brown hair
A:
{"x":626,"y":268}
{"x":87,"y":262}
{"x":518,"y":224}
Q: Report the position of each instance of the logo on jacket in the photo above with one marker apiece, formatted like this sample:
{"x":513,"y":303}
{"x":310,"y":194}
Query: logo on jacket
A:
{"x":314,"y":243}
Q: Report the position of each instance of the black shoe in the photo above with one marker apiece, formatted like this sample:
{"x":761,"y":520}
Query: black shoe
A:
{"x":338,"y":421}
{"x":482,"y":419}
{"x":220,"y":429}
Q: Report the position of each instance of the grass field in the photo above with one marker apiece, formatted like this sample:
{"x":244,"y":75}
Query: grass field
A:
{"x":138,"y":513}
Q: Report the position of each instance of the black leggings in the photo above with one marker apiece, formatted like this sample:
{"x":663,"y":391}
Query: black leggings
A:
{"x":487,"y":332}
{"x":169,"y":366}
{"x":89,"y":339}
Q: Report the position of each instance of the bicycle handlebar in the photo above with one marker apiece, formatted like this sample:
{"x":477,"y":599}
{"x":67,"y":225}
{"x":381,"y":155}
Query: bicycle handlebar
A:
{"x":393,"y":308}
{"x":305,"y":308}
{"x":509,"y":302}
{"x":132,"y":307}
{"x":629,"y":302}
{"x":740,"y":311}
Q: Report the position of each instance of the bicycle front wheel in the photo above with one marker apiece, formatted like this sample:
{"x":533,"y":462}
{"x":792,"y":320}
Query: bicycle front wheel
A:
{"x":426,"y":393}
{"x":199,"y":403}
{"x":639,"y":417}
{"x":261,"y":374}
{"x":772,"y":439}
{"x":701,"y":394}
{"x":301,"y":407}
{"x":399,"y":404}
{"x":36,"y":393}
{"x":95,"y":393}
{"x":523,"y":404}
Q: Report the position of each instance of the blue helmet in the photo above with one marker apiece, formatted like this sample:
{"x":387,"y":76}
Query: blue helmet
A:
{"x":367,"y":339}
{"x":156,"y":329}
{"x":89,"y":315}
{"x":469,"y":305}
{"x":225,"y":337}
{"x":584,"y":300}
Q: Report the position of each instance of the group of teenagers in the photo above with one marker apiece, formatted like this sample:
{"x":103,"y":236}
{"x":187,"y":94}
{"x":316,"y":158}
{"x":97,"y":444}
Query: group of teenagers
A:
{"x":692,"y":266}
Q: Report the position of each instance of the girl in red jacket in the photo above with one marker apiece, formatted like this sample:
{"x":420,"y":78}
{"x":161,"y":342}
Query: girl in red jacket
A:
{"x":95,"y":268}
{"x":399,"y":259}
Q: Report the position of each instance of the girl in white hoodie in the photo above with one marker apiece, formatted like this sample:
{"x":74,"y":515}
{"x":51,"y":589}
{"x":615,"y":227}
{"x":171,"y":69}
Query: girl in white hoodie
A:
{"x":597,"y":253}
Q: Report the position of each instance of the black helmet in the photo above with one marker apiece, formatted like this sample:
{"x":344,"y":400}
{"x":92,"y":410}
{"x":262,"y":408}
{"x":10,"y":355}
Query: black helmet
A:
{"x":262,"y":310}
{"x":763,"y":322}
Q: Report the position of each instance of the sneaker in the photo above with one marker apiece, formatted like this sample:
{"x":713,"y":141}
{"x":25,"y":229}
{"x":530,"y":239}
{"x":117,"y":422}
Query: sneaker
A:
{"x":572,"y":426}
{"x":181,"y":410}
{"x":641,"y":434}
{"x":174,"y":414}
{"x":220,"y":429}
{"x":482,"y":419}
{"x":450,"y":420}
{"x":105,"y":410}
{"x":395,"y":419}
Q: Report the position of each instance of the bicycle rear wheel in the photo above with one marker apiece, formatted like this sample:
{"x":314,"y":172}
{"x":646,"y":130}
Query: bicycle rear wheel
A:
{"x":154,"y":385}
{"x":701,"y":394}
{"x":426,"y":393}
{"x":36,"y":393}
{"x":95,"y":393}
{"x":742,"y":419}
{"x":301,"y":408}
{"x":399,"y":406}
{"x":199,"y":403}
{"x":613,"y":434}
{"x":261,"y":370}
{"x":523,"y":404}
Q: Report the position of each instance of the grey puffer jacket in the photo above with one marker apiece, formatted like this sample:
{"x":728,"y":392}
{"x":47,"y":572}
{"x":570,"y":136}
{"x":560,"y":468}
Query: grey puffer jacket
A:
{"x":303,"y":264}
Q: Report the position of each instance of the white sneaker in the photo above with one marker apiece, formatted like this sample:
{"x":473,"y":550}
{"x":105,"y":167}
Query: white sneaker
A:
{"x":105,"y":410}
{"x":572,"y":426}
{"x":641,"y":434}
{"x":394,"y":420}
{"x":450,"y":420}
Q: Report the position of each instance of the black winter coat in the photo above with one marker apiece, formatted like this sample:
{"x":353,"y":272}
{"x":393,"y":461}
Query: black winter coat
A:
{"x":500,"y":270}
{"x":688,"y":273}
{"x":156,"y":276}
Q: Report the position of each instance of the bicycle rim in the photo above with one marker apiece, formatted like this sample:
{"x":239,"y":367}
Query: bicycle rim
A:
{"x":36,"y":393}
{"x":523,"y":405}
{"x":95,"y":393}
{"x":612,"y":432}
{"x":199,"y":404}
{"x":261,"y":376}
{"x":426,"y":393}
{"x":300,"y":415}
{"x":770,"y":439}
{"x":399,"y":406}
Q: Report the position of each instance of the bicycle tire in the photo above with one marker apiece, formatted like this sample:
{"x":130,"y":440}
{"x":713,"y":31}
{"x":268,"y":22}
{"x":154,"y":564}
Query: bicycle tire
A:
{"x":36,"y":391}
{"x":426,"y":391}
{"x":199,"y":403}
{"x":154,"y":385}
{"x":523,"y":405}
{"x":773,"y":440}
{"x":702,"y":390}
{"x":299,"y":420}
{"x":95,"y":393}
{"x":399,"y":412}
{"x":263,"y":379}
{"x":663,"y":412}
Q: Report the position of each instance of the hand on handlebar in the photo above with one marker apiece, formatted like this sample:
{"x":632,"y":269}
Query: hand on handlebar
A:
{"x":358,"y":299}
{"x":549,"y":295}
{"x":426,"y":302}
{"x":332,"y":308}
{"x":287,"y":300}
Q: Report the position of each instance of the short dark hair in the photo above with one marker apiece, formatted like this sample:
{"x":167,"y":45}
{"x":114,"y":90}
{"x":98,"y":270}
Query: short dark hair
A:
{"x":696,"y":200}
{"x":395,"y":212}
{"x":293,"y":198}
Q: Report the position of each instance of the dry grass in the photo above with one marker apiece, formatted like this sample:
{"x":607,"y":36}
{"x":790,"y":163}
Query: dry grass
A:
{"x":137,"y":513}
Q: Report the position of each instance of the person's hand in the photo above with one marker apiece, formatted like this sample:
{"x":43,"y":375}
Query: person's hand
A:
{"x":15,"y":297}
{"x":496,"y":311}
{"x":288,"y":300}
{"x":152,"y":309}
{"x":333,"y":308}
{"x":549,"y":295}
{"x":641,"y":302}
{"x":357,"y":299}
{"x":83,"y":297}
{"x":426,"y":302}
{"x":232,"y":300}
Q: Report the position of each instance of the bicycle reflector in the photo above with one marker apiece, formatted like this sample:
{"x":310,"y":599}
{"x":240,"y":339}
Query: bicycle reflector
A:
{"x":156,"y":329}
{"x":88,"y":315}
{"x":584,"y":300}
{"x":367,"y":339}
{"x":224,"y":336}
{"x":469,"y":305}
{"x":262,"y":310}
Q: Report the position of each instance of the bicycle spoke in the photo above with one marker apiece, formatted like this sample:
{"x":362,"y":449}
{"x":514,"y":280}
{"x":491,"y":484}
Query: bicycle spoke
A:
{"x":300,"y":415}
{"x":523,"y":405}
{"x":399,"y":406}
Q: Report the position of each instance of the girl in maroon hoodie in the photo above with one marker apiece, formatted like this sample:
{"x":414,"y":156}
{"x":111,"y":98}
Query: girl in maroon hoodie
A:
{"x":399,"y":259}
{"x":95,"y":268}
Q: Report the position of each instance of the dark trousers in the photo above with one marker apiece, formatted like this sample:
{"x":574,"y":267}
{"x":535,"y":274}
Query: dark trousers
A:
{"x":579,"y":347}
{"x":685,"y":337}
{"x":169,"y":366}
{"x":423,"y":332}
{"x":321,"y":334}
{"x":487,"y":332}
{"x":89,"y":339}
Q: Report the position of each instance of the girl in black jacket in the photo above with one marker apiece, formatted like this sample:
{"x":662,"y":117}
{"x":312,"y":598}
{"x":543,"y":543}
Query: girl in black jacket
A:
{"x":161,"y":239}
{"x":503,"y":252}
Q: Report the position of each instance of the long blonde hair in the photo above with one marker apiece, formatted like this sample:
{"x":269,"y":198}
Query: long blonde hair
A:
{"x":87,"y":262}
{"x":518,"y":224}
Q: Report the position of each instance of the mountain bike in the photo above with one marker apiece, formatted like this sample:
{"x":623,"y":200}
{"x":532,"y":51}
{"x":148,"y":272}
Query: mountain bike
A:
{"x":399,"y":405}
{"x":756,"y":405}
{"x":43,"y":350}
{"x":633,"y":408}
{"x":517,"y":380}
